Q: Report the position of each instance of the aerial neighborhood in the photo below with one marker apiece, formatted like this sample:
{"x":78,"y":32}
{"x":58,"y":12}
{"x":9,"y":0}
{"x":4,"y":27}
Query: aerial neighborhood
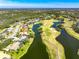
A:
{"x":39,"y":34}
{"x":16,"y":34}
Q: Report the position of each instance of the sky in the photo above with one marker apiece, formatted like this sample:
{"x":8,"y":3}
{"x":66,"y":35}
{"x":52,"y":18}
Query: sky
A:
{"x":39,"y":3}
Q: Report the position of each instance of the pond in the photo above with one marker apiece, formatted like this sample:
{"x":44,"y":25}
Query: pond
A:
{"x":37,"y":50}
{"x":70,"y":44}
{"x":57,"y":25}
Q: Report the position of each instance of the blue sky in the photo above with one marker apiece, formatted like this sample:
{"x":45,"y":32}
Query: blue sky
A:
{"x":43,"y":1}
{"x":39,"y":3}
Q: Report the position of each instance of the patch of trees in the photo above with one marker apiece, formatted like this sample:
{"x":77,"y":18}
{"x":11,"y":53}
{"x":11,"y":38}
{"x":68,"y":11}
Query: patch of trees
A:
{"x":76,"y":27}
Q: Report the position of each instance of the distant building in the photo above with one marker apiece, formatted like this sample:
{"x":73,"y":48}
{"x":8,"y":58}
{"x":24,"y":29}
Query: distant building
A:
{"x":24,"y":30}
{"x":37,"y":19}
{"x":23,"y":38}
{"x":9,"y":29}
{"x":14,"y":46}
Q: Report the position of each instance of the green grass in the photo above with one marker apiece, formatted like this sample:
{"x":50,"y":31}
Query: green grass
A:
{"x":68,"y":28}
{"x":49,"y":39}
{"x":70,"y":45}
{"x":37,"y":50}
{"x":18,"y":54}
{"x":72,"y":33}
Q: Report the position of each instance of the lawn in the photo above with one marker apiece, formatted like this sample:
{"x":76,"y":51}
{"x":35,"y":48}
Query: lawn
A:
{"x":53,"y":47}
{"x":22,"y":50}
{"x":72,"y":33}
{"x":37,"y":50}
{"x":70,"y":44}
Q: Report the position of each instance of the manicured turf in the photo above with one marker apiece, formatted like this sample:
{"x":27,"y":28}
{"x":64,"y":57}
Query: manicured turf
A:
{"x":70,"y":45}
{"x":53,"y":47}
{"x":37,"y":50}
{"x":72,"y":33}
